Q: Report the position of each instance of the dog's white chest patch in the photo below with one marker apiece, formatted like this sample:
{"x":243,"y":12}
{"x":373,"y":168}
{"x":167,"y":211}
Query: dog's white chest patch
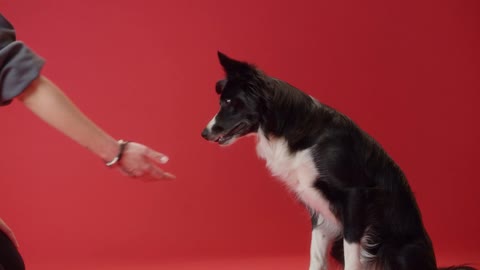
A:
{"x":296,"y":170}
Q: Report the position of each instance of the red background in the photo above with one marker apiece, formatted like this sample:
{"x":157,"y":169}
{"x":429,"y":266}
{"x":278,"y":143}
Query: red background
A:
{"x":408,"y":73}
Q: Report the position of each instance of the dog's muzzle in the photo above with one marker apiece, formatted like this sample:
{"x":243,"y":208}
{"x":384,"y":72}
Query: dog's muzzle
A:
{"x":206,"y":134}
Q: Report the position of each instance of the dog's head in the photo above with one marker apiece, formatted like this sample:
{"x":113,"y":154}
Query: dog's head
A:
{"x":240,"y":102}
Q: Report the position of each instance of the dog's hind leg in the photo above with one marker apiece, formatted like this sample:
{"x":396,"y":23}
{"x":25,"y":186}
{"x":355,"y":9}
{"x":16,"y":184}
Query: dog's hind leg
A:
{"x":416,"y":254}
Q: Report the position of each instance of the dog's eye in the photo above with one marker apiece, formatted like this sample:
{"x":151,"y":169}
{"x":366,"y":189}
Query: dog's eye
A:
{"x":231,"y":103}
{"x":226,"y":102}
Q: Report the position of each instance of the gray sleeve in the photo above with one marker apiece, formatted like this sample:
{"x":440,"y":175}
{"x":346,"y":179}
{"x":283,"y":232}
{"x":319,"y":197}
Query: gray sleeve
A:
{"x":19,"y":65}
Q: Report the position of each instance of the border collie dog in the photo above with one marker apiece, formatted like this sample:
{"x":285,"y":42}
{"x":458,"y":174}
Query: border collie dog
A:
{"x":361,"y":206}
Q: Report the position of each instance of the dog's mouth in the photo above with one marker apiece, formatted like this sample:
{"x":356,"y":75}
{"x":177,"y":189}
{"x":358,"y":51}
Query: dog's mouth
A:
{"x":227,"y":137}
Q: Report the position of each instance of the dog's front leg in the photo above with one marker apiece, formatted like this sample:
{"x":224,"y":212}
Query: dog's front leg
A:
{"x":352,"y":255}
{"x":319,"y":243}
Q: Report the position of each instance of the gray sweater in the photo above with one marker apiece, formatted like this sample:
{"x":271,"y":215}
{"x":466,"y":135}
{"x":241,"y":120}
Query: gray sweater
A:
{"x":19,"y":65}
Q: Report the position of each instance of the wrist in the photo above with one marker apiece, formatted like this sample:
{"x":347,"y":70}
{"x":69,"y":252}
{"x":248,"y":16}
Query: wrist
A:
{"x":120,"y":149}
{"x":106,"y":149}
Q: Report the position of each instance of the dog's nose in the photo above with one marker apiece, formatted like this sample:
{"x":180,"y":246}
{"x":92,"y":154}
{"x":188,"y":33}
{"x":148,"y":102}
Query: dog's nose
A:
{"x":205,"y":134}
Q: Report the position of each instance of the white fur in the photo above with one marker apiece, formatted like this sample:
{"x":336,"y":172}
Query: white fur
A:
{"x":367,"y":242}
{"x":319,"y":245}
{"x":298,"y":172}
{"x":352,"y":256}
{"x":211,"y":123}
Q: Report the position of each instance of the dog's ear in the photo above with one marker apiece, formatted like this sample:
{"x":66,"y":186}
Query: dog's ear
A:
{"x":235,"y":68}
{"x":219,"y":86}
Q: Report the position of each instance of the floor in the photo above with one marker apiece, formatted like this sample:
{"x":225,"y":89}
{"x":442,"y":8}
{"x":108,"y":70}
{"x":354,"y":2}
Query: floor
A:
{"x":265,"y":263}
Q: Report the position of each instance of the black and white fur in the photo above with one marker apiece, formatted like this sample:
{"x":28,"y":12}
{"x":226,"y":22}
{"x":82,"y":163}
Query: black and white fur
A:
{"x":361,"y":206}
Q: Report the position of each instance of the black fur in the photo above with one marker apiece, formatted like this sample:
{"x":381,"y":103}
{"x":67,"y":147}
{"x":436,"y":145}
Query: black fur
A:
{"x":365,"y":187}
{"x":10,"y":258}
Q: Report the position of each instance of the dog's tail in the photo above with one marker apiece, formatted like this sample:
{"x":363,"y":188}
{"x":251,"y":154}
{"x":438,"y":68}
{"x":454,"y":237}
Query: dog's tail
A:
{"x":459,"y":267}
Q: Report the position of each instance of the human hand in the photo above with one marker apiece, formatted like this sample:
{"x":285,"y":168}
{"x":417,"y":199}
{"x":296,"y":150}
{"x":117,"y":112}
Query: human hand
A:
{"x":4,"y":228}
{"x":139,"y":161}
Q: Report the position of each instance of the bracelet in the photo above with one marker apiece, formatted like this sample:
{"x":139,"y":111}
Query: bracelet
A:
{"x":117,"y":159}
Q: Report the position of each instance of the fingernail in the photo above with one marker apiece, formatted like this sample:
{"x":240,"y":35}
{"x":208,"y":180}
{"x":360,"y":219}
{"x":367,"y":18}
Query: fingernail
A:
{"x":164,"y":159}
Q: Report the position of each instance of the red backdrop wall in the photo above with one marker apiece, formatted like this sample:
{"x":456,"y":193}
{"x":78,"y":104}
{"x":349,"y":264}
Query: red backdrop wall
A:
{"x":407,"y":72}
